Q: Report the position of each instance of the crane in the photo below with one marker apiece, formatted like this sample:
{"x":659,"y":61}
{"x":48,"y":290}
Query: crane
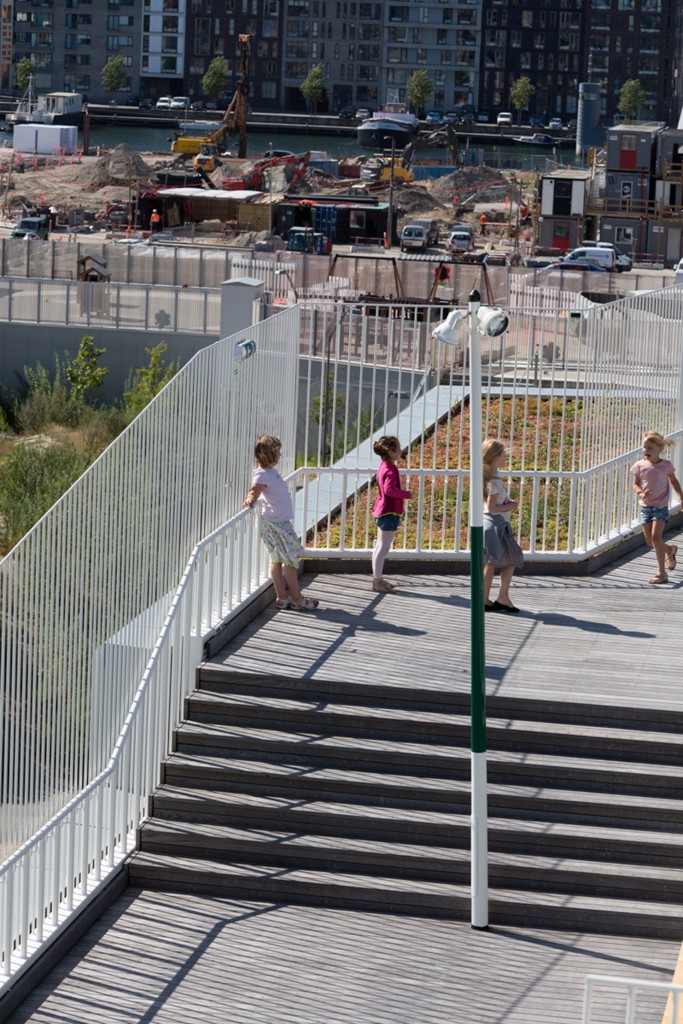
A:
{"x":234,"y":118}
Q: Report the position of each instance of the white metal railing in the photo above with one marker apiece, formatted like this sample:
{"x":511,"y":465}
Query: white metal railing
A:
{"x":631,"y":1000}
{"x":84,"y":597}
{"x":94,"y":304}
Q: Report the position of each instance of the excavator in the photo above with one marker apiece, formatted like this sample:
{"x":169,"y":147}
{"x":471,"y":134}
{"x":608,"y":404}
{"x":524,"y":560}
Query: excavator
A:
{"x":234,"y":120}
{"x":253,"y":178}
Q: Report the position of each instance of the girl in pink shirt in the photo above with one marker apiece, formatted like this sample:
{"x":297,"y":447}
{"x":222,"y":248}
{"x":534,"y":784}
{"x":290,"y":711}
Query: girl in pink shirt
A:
{"x":388,"y":508}
{"x":653,"y":478}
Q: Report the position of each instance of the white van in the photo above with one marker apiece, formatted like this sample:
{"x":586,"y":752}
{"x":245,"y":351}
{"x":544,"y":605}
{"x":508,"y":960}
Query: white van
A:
{"x":504,"y":119}
{"x":593,"y":254}
{"x":414,"y":236}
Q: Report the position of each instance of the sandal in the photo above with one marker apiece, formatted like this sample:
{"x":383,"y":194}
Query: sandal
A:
{"x":283,"y":602}
{"x":671,"y":556}
{"x":383,"y":587}
{"x":661,"y":577}
{"x":306,"y":604}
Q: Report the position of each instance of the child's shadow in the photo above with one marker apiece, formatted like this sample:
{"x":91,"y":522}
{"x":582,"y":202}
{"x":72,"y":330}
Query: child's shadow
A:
{"x":366,"y":622}
{"x":558,"y":619}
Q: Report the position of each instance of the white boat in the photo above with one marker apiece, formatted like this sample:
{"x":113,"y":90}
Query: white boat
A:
{"x":52,"y":108}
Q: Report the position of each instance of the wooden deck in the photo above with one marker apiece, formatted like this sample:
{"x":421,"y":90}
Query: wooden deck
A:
{"x":158,"y":958}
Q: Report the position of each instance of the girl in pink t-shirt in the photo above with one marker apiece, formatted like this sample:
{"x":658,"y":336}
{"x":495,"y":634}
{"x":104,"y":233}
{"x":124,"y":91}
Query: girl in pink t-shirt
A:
{"x":387,"y":510}
{"x":653,"y":478}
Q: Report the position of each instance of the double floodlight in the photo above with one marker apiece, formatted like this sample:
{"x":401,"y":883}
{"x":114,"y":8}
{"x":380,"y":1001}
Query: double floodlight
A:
{"x":492,"y":322}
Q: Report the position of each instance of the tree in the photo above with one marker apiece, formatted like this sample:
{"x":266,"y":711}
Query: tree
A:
{"x":313,"y":86}
{"x":84,"y":372}
{"x":25,"y":69}
{"x":521,"y":93}
{"x":148,"y":380}
{"x":114,"y":74}
{"x":215,"y":80}
{"x":419,"y":89}
{"x":631,"y":98}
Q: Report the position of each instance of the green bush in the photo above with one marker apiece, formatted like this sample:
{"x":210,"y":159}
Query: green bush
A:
{"x":147,"y":381}
{"x":32,"y":479}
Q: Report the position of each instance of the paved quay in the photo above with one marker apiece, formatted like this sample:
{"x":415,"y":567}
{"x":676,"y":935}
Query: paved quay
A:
{"x":156,"y":957}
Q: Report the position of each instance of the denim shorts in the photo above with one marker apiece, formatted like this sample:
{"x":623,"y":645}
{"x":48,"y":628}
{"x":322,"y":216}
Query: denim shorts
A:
{"x":388,"y":522}
{"x":653,"y":515}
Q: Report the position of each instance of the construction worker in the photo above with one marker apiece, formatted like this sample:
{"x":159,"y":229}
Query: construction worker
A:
{"x":155,"y":221}
{"x":482,"y":224}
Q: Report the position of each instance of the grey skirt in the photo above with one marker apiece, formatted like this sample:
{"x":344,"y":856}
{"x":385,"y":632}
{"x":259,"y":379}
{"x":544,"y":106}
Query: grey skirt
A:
{"x":500,"y":547}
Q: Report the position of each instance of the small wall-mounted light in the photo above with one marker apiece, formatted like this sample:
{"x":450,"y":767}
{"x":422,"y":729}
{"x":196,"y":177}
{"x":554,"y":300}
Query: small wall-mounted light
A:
{"x":244,"y":349}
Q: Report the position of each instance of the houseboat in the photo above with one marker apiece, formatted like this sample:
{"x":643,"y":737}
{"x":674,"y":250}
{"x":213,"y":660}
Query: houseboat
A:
{"x":52,"y":108}
{"x":391,"y":123}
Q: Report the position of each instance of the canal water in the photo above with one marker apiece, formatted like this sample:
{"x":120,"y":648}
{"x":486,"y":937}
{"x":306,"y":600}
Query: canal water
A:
{"x":159,"y":140}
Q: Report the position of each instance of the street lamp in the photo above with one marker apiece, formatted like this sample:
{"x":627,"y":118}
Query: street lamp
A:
{"x":492,"y":322}
{"x":390,"y":226}
{"x":280,"y":272}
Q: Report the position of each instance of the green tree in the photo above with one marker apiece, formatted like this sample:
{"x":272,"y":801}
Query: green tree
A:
{"x":114,"y":74}
{"x":84,"y":372}
{"x":631,"y":98}
{"x":148,"y":380}
{"x":313,"y":86}
{"x":521,"y":93}
{"x":215,"y":80}
{"x":418,"y":90}
{"x":25,"y":69}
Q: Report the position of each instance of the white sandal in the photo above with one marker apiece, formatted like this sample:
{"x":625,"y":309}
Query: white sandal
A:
{"x":306,"y":604}
{"x":283,"y":602}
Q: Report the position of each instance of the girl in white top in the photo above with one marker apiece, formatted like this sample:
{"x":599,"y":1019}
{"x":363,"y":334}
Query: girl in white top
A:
{"x":277,"y":528}
{"x":501,"y":550}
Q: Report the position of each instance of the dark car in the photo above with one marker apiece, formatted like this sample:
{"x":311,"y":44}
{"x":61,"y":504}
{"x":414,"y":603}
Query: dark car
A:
{"x":147,"y":103}
{"x":197,"y":105}
{"x":347,"y":112}
{"x":433,"y":117}
{"x":133,"y":101}
{"x":535,"y":121}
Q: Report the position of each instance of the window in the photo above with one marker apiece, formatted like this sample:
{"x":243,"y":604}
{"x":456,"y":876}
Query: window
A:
{"x":115,"y":42}
{"x":422,"y":55}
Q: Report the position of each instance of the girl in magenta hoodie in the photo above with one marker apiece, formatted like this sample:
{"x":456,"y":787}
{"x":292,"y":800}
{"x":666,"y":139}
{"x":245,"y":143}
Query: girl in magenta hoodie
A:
{"x":387,"y":509}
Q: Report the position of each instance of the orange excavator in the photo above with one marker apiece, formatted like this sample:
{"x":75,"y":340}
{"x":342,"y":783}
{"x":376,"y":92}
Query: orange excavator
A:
{"x":234,"y":120}
{"x":253,"y":178}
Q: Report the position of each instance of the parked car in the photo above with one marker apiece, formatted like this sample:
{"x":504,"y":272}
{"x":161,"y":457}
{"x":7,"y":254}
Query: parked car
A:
{"x":132,"y":101}
{"x":147,"y":103}
{"x":555,"y":124}
{"x":678,"y":273}
{"x":604,"y":257}
{"x":347,"y":112}
{"x":197,"y":105}
{"x":622,"y":262}
{"x":482,"y":118}
{"x":433,"y":117}
{"x":33,"y":227}
{"x":413,"y":237}
{"x":467,"y":119}
{"x":535,"y":121}
{"x":362,"y":114}
{"x":179,"y":102}
{"x":430,"y":225}
{"x":450,"y":117}
{"x":460,"y":241}
{"x":164,"y":103}
{"x":504,"y":119}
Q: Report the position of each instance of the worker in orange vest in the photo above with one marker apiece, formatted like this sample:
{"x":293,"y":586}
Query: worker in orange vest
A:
{"x":482,"y":223}
{"x":155,"y":221}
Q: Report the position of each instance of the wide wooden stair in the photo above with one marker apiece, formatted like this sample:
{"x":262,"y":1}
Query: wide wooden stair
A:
{"x":357,"y":796}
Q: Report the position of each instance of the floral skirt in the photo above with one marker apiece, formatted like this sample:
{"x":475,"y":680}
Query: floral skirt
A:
{"x":282,"y":542}
{"x":500,"y":547}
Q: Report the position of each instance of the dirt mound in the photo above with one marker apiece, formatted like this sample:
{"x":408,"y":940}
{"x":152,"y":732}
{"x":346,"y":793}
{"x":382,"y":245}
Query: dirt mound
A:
{"x":117,"y":167}
{"x":481,"y":183}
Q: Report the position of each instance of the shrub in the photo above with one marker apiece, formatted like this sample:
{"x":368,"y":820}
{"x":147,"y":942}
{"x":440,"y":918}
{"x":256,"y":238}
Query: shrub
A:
{"x":148,"y":381}
{"x":33,"y":478}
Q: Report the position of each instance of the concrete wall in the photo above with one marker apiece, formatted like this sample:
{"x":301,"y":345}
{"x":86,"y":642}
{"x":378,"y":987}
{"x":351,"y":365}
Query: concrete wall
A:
{"x":28,"y":344}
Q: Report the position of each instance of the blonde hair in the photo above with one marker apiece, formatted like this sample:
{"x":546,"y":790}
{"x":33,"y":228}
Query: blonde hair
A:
{"x":267,"y":451}
{"x":386,"y":445}
{"x":657,"y":438}
{"x":490,"y":451}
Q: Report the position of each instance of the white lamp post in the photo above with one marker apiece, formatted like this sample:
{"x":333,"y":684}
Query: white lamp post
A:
{"x":270,"y":182}
{"x":491,"y":321}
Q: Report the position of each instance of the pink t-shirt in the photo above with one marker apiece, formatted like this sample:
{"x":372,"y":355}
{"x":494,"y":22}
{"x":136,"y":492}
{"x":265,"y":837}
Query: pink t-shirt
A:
{"x":654,"y":476}
{"x":391,"y":494}
{"x":277,"y":503}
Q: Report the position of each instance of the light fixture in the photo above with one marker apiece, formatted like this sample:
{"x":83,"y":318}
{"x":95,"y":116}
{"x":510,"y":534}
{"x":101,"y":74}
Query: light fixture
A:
{"x":492,"y":321}
{"x":244,"y":349}
{"x":451,"y":330}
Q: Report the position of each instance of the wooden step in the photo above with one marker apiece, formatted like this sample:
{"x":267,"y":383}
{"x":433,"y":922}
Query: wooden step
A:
{"x":509,"y":798}
{"x":307,"y":887}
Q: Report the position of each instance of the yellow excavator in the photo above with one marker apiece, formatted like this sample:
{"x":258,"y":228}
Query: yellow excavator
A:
{"x":234,"y":119}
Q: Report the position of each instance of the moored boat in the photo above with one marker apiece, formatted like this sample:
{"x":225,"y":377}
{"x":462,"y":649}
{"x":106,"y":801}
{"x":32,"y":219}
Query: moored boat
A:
{"x":52,"y":108}
{"x":392,"y":123}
